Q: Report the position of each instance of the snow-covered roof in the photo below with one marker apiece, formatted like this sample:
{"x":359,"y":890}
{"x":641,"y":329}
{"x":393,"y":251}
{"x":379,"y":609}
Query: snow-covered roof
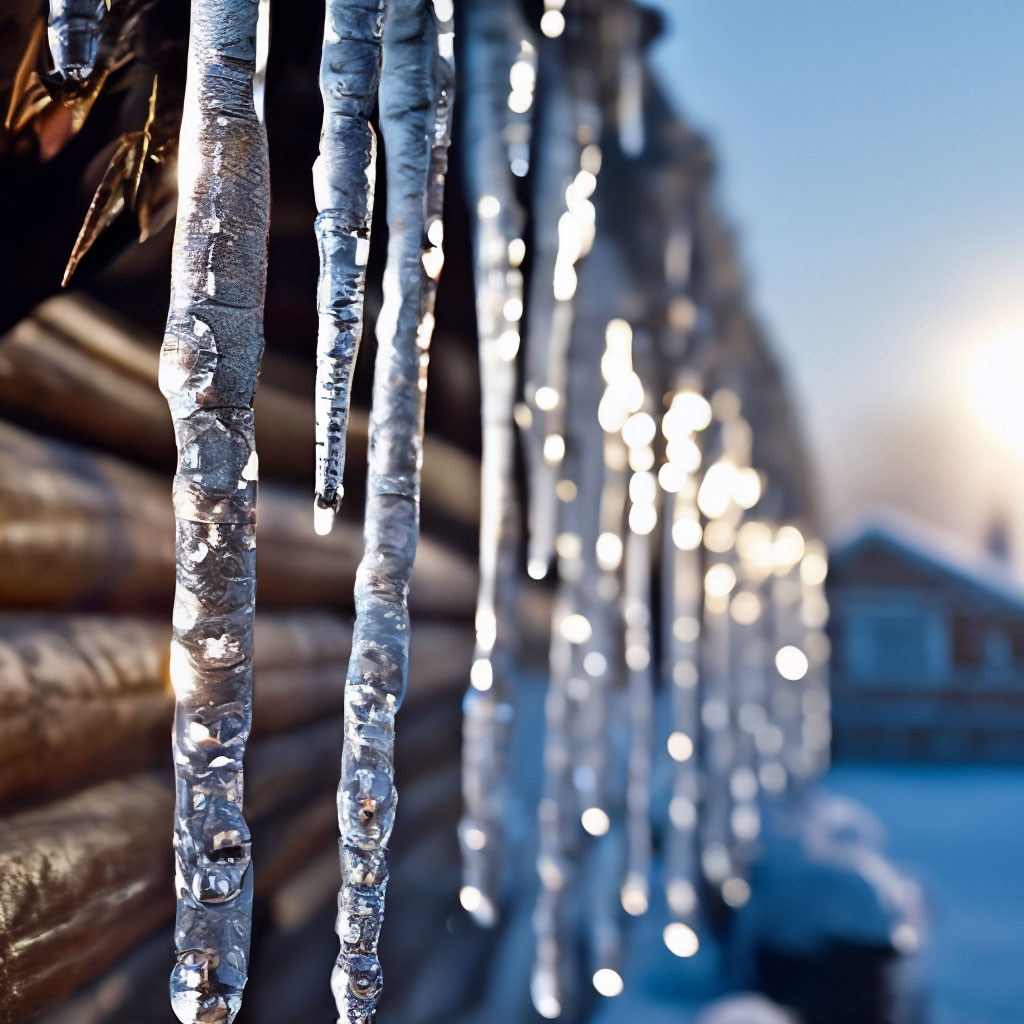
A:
{"x":932,"y":551}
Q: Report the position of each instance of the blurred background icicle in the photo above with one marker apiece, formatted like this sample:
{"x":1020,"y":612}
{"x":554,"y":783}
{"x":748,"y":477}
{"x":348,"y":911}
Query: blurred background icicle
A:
{"x":815,"y":702}
{"x":343,"y":183}
{"x":564,"y":178}
{"x":606,"y":953}
{"x":554,"y":962}
{"x":416,"y":95}
{"x":259,"y":78}
{"x":790,"y":767}
{"x":73,"y":30}
{"x":592,"y":495}
{"x":623,"y":24}
{"x":208,"y":368}
{"x":750,"y":659}
{"x":499,"y":74}
{"x":687,"y":415}
{"x":728,"y":443}
{"x":638,"y":433}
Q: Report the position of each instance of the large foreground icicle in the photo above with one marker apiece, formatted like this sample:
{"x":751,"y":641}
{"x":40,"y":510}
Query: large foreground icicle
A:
{"x":209,"y":364}
{"x":415,"y":101}
{"x":343,"y":182}
{"x":499,"y":76}
{"x":73,"y":30}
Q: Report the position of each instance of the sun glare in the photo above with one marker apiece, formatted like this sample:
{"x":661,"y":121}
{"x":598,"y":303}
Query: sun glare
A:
{"x":995,"y":385}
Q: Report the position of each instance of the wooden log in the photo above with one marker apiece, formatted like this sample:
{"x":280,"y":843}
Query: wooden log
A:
{"x":75,"y":370}
{"x":83,"y":879}
{"x":81,"y":530}
{"x":86,"y":698}
{"x":67,"y":873}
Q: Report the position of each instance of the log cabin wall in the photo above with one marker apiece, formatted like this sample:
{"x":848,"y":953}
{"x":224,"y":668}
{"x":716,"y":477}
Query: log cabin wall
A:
{"x":86,"y":576}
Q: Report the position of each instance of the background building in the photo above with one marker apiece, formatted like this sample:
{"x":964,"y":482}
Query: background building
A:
{"x":928,"y":650}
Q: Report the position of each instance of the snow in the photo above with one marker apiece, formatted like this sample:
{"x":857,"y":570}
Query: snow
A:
{"x":959,"y":830}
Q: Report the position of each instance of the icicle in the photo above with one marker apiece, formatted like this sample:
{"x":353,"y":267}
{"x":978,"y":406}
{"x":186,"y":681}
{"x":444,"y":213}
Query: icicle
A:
{"x":573,"y":679}
{"x":631,"y":82}
{"x":498,"y":82}
{"x":595,"y":521}
{"x":606,"y":953}
{"x":637,"y":610}
{"x":748,"y":614}
{"x":209,"y":364}
{"x":682,"y":588}
{"x":816,"y":732}
{"x":786,"y":766}
{"x":757,"y":715}
{"x":601,"y":726}
{"x":551,"y":977}
{"x":343,"y":183}
{"x":259,"y":81}
{"x":727,"y":488}
{"x":584,"y":654}
{"x":623,"y":407}
{"x":566,"y":168}
{"x":415,"y":103}
{"x":73,"y":30}
{"x":552,"y":21}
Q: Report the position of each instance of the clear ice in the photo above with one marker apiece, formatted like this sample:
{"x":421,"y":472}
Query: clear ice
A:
{"x":415,"y":105}
{"x":73,"y":30}
{"x":344,"y":177}
{"x":496,"y":137}
{"x":208,"y":368}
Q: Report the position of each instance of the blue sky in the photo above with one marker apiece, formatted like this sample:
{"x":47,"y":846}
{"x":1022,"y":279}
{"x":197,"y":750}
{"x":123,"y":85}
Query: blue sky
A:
{"x":872,"y":157}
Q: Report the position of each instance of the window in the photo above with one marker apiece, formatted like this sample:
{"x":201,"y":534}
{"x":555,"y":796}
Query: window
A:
{"x":998,"y":651}
{"x":897,"y":644}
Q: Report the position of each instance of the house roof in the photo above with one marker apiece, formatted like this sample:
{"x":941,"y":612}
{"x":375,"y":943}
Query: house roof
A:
{"x":934,"y":554}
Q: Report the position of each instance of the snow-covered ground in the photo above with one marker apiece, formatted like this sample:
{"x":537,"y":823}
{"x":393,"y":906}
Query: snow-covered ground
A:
{"x":960,"y":830}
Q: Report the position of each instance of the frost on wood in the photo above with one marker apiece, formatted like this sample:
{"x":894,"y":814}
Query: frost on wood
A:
{"x":415,"y":103}
{"x":498,"y":83}
{"x":209,"y":364}
{"x":73,"y":30}
{"x":343,"y":183}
